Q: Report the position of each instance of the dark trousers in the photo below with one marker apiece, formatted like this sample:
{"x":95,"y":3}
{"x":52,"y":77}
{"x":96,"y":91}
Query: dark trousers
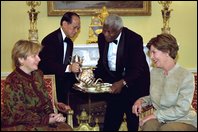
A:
{"x":117,"y":105}
{"x":64,"y":87}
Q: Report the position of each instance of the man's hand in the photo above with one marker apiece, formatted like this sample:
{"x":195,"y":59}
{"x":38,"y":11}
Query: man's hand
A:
{"x":75,"y":67}
{"x":117,"y":87}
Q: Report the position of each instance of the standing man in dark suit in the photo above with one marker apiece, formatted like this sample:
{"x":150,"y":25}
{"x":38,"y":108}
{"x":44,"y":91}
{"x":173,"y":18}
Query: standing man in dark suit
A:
{"x":122,"y":63}
{"x":57,"y":52}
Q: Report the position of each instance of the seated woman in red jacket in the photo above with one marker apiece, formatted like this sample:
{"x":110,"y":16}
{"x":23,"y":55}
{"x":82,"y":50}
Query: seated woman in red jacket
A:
{"x":26,"y":104}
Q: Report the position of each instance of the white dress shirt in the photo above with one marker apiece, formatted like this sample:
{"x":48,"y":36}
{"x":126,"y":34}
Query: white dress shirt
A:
{"x":112,"y":54}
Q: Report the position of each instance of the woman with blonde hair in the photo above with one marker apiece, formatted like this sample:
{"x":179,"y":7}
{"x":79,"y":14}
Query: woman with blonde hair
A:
{"x":26,"y":105}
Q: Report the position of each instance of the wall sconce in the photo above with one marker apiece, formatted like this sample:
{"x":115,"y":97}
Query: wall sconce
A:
{"x":165,"y":15}
{"x":33,"y":32}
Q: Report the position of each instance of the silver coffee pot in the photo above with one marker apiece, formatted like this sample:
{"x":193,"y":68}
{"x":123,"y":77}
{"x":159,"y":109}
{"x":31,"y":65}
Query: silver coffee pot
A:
{"x":85,"y":76}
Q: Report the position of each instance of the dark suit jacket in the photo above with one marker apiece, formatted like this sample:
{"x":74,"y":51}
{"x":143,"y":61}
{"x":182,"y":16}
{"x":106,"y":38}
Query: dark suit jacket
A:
{"x":52,"y":54}
{"x":130,"y":63}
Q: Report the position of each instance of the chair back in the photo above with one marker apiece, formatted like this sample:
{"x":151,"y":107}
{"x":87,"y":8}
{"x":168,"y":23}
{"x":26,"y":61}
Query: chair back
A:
{"x":50,"y":86}
{"x":194,"y":102}
{"x":2,"y":87}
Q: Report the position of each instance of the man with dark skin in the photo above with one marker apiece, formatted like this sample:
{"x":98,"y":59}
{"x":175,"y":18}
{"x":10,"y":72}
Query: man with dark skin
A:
{"x":122,"y":63}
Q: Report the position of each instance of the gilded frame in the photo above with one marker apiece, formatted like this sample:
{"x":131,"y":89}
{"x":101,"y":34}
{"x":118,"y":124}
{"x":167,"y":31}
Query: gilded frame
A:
{"x":143,"y":10}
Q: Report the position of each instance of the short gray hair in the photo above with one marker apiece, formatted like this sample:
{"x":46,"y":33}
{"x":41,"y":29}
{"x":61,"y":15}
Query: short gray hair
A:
{"x":114,"y":21}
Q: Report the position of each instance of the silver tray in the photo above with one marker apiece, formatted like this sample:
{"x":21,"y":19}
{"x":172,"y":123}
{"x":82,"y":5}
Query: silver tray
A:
{"x":104,"y":88}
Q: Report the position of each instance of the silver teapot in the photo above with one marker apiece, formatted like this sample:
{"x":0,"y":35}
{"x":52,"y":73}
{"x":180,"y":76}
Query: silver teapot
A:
{"x":85,"y":76}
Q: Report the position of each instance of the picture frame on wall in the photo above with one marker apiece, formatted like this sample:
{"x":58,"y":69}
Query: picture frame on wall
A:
{"x":89,"y":8}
